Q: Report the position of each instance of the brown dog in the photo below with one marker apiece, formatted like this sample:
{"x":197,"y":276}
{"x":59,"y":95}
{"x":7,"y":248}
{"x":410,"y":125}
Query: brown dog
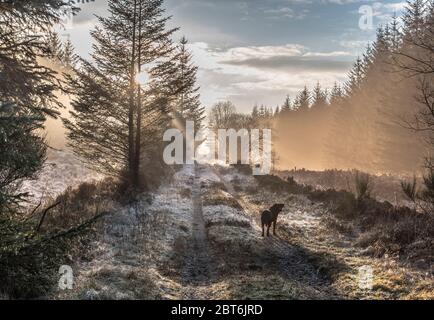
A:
{"x":269,"y":217}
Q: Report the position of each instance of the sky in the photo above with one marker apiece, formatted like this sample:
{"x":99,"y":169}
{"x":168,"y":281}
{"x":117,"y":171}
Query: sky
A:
{"x":258,"y":51}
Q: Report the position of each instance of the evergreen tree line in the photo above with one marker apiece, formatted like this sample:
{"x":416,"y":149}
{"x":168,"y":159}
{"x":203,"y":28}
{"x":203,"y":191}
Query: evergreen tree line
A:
{"x":381,"y":118}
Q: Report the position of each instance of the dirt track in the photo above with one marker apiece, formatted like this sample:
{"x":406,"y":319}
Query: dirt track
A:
{"x":198,"y":267}
{"x":293,"y":263}
{"x":305,"y":260}
{"x":200,"y":238}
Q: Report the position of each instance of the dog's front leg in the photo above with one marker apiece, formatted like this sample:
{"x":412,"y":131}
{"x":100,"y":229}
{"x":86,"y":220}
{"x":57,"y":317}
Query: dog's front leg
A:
{"x":268,"y":230}
{"x":262,"y":229}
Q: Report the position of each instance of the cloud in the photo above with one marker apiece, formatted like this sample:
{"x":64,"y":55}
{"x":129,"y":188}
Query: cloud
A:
{"x":286,"y":12}
{"x":261,"y":52}
{"x":354,"y":44}
{"x":264,"y":74}
{"x":343,"y":2}
{"x":384,"y":11}
{"x":294,"y":64}
{"x":290,"y":57}
{"x":88,"y":10}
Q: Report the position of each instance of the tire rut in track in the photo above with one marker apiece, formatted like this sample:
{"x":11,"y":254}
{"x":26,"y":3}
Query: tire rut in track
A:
{"x":293,"y":263}
{"x":197,"y":272}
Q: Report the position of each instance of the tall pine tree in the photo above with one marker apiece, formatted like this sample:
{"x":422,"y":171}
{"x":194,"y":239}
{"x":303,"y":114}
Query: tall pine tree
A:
{"x":355,"y":78}
{"x":187,"y":102}
{"x":319,"y":97}
{"x":115,"y":117}
{"x":302,"y":101}
{"x":287,"y":106}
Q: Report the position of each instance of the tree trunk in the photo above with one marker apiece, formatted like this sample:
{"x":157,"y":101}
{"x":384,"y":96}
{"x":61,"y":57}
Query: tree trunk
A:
{"x":139,"y":104}
{"x":131,"y":146}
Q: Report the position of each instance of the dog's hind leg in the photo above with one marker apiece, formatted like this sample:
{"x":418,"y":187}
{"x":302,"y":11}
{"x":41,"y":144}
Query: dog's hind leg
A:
{"x":274,"y":227}
{"x":262,"y":229}
{"x":268,"y":230}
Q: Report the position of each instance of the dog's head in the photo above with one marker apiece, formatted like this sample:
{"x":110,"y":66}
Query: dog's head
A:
{"x":277,"y":208}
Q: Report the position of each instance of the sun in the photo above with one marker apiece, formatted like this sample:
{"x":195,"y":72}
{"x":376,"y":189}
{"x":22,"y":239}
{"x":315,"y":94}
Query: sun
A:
{"x":142,"y":78}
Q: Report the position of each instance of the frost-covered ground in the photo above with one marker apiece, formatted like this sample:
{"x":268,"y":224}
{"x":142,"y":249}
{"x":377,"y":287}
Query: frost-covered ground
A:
{"x":385,"y":187}
{"x":135,"y":242}
{"x":299,"y":212}
{"x":335,"y":256}
{"x":61,"y":170}
{"x":198,"y":237}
